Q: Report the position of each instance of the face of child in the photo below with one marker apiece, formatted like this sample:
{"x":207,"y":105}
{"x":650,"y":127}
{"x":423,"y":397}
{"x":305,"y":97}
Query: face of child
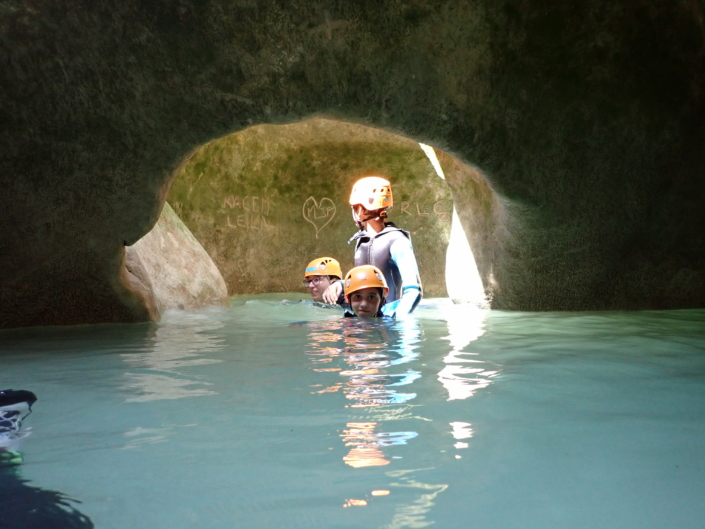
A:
{"x":365,"y":302}
{"x":317,"y":285}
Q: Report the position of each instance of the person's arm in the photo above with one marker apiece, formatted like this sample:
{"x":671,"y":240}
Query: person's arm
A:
{"x":403,"y":256}
{"x":333,"y":292}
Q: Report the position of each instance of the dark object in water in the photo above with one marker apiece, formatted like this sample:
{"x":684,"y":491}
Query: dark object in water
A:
{"x":15,"y":405}
{"x":25,"y":507}
{"x":15,"y":396}
{"x":21,"y":505}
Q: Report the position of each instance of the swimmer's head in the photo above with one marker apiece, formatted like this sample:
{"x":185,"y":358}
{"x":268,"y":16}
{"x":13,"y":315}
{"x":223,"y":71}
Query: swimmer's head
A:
{"x":319,"y":274}
{"x":365,"y":290}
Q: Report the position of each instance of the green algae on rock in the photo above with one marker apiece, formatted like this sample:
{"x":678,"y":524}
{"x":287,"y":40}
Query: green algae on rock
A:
{"x":265,"y":201}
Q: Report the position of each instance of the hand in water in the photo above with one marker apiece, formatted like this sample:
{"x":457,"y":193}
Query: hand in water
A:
{"x":332,"y":293}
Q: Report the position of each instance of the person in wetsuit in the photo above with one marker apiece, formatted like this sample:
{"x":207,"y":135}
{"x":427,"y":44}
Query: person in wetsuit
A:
{"x":382,"y":244}
{"x":366,"y":291}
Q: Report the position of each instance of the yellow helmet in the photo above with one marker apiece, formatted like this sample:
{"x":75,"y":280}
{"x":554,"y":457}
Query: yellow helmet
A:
{"x":364,"y":276}
{"x":323,"y":266}
{"x":372,"y":192}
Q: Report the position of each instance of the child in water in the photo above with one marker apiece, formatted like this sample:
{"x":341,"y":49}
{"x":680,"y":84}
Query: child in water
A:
{"x":366,"y":291}
{"x":318,"y":276}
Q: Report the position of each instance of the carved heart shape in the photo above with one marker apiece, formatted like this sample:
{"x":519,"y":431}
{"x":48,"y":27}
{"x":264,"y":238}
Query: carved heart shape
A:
{"x":319,"y":214}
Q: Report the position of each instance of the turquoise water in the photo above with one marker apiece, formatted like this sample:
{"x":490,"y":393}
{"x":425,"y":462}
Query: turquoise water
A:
{"x":269,"y":415}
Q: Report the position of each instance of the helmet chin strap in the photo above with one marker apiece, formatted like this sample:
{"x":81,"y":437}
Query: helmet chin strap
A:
{"x":371,"y":215}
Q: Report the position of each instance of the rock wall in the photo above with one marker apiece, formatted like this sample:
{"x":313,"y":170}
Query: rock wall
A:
{"x":586,"y":119}
{"x":266,"y":201}
{"x":171,"y":269}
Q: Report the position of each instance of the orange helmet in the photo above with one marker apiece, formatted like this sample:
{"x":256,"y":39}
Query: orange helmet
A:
{"x":372,"y":192}
{"x":323,"y":266}
{"x":363,"y":277}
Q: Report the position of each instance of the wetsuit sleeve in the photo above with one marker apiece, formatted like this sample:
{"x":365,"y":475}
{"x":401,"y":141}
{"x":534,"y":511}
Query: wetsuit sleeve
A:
{"x":402,"y":254}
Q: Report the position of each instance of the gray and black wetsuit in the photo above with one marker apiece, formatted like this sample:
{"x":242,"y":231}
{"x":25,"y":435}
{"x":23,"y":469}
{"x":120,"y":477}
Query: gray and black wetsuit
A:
{"x":390,"y":250}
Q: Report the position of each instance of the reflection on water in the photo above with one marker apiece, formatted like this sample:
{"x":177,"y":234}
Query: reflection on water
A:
{"x":465,"y":324}
{"x":365,"y":451}
{"x":461,"y":381}
{"x":374,"y":367}
{"x":313,"y":417}
{"x":414,"y":514}
{"x":368,"y":351}
{"x":138,"y":437}
{"x":366,"y":443}
{"x":461,"y":430}
{"x":180,"y":341}
{"x":374,"y":363}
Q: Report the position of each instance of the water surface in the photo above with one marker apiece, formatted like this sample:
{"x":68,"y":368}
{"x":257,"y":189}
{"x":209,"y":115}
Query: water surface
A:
{"x":285,"y":415}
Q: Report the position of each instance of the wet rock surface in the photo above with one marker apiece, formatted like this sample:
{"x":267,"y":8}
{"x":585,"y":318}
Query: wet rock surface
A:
{"x":171,"y":270}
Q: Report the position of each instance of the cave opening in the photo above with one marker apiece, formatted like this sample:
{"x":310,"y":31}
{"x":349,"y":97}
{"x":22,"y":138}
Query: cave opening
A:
{"x":266,"y":200}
